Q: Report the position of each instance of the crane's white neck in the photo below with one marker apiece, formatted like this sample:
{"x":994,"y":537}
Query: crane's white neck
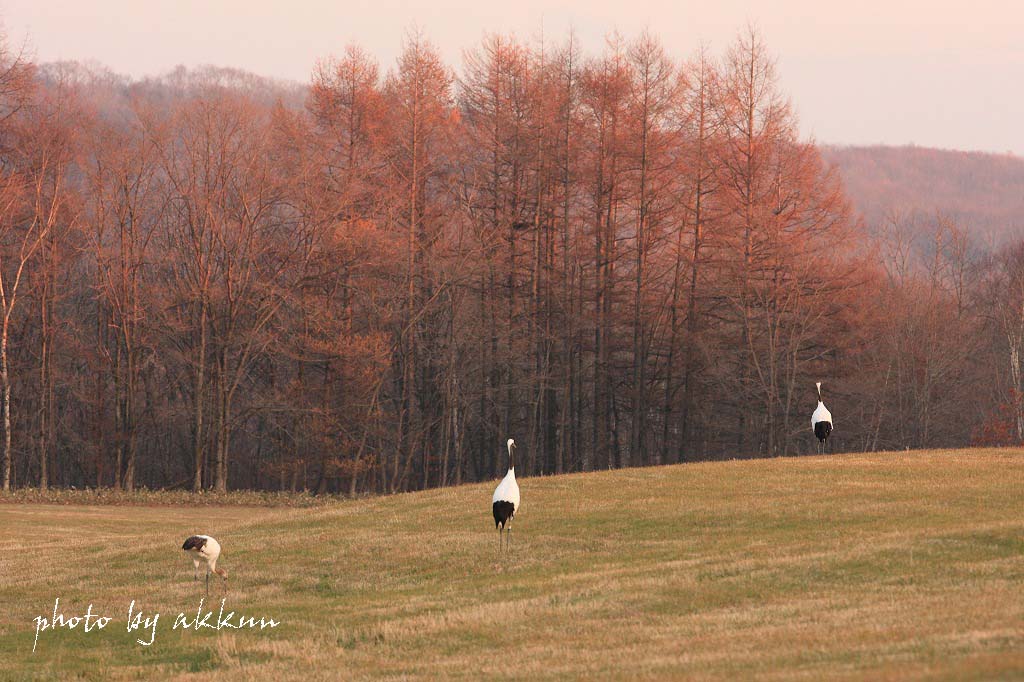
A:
{"x":511,"y":457}
{"x":818,"y":385}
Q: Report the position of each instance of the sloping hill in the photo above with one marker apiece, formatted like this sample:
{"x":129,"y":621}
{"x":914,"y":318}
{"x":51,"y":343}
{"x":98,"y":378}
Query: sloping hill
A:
{"x":984,"y":192}
{"x":884,"y":566}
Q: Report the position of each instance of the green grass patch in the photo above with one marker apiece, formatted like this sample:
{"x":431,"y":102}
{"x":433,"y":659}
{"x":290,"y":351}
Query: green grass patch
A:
{"x":883,"y":566}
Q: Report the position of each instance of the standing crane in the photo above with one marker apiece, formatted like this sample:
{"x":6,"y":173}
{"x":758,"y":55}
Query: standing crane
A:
{"x":204,"y":549}
{"x":505,"y":501}
{"x":821,"y":422}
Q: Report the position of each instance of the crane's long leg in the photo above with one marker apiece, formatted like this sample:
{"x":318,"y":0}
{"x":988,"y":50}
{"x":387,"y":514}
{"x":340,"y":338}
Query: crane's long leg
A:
{"x":207,"y":583}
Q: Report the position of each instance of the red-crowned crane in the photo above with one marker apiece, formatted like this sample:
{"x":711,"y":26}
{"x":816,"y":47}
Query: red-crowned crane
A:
{"x":205,"y":550}
{"x":821,"y":422}
{"x":505,"y":501}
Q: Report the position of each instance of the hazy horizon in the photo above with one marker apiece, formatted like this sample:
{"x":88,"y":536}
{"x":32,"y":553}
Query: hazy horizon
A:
{"x":930,"y":75}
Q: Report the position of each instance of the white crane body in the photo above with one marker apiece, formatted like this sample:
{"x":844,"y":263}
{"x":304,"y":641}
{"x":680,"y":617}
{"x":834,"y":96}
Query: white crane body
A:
{"x":821,"y":414}
{"x":821,"y":421}
{"x":507,"y":490}
{"x":203,"y":549}
{"x":505,"y":500}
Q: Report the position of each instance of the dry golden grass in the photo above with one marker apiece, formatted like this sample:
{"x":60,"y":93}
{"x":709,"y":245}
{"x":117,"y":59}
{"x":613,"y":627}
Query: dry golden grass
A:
{"x":883,"y":566}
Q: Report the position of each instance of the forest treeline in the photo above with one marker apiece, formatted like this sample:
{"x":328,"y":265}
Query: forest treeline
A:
{"x":212,"y":280}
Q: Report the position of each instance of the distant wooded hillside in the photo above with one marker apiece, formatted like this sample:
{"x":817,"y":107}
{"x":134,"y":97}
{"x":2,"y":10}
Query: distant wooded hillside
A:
{"x":982,"y":192}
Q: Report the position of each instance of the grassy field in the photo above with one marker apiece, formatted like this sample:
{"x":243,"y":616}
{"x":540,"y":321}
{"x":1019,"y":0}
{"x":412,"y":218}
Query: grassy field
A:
{"x":887,"y":566}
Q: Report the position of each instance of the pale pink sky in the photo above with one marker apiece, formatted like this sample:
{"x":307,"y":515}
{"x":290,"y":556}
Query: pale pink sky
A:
{"x":945,"y":74}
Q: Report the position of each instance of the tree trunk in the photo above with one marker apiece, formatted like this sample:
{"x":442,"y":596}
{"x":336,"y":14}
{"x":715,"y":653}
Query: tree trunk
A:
{"x":6,"y":380}
{"x":198,"y":442}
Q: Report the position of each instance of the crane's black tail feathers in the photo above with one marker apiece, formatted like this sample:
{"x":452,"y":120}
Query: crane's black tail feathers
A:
{"x":195,"y":542}
{"x":503,"y":512}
